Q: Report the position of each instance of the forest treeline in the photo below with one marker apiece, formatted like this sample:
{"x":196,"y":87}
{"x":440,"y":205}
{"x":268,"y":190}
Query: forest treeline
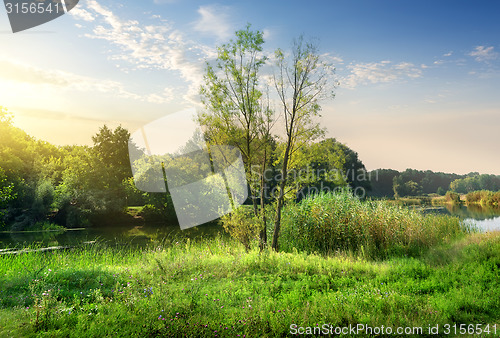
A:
{"x":80,"y":186}
{"x":77,"y":186}
{"x":392,"y":183}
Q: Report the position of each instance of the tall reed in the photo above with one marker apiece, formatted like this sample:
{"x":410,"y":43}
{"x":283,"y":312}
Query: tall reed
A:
{"x":327,"y":223}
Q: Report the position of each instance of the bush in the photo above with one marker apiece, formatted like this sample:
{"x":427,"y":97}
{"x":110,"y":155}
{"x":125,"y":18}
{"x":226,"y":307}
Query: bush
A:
{"x":243,"y":225}
{"x":452,"y":197}
{"x":495,"y":198}
{"x":483,"y":197}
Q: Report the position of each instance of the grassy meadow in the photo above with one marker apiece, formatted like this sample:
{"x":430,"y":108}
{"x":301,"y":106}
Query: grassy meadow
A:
{"x":342,"y":262}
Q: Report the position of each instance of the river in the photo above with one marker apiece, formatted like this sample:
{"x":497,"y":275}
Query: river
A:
{"x":115,"y":236}
{"x":483,"y":217}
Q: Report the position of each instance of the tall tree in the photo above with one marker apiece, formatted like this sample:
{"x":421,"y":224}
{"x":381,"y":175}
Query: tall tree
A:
{"x":111,"y":147}
{"x":236,"y":113}
{"x":301,"y":81}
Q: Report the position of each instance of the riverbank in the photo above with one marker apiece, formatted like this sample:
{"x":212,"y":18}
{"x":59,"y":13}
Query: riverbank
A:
{"x":215,"y":288}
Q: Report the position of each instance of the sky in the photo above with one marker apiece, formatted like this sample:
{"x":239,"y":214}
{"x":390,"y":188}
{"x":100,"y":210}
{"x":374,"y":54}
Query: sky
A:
{"x":418,"y":80}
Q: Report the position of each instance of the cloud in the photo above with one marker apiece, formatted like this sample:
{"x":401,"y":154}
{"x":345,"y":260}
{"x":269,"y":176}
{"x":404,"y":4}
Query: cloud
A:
{"x":450,"y":53}
{"x":22,"y":73}
{"x":267,"y":34}
{"x":81,"y":14}
{"x":154,"y":46}
{"x":332,"y":59}
{"x":379,"y":72}
{"x":483,"y":54}
{"x":214,"y":20}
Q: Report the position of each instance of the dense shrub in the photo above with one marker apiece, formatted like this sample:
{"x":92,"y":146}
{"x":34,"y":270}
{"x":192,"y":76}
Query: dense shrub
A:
{"x":483,"y":197}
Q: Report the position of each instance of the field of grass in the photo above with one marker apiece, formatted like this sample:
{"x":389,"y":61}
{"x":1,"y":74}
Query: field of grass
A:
{"x":214,"y":288}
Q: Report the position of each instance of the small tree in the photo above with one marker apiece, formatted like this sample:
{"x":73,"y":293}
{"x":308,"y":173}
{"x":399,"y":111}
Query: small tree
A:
{"x":243,"y":225}
{"x":301,"y":82}
{"x":237,"y":113}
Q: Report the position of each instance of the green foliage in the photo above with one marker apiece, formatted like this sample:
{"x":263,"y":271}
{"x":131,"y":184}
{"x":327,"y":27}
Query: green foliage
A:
{"x":428,"y":182}
{"x":75,"y":181}
{"x":409,"y":188}
{"x":237,"y":113}
{"x":327,"y":223}
{"x":381,"y":182}
{"x":6,"y":194}
{"x":243,"y":225}
{"x":484,"y":197}
{"x":111,"y":148}
{"x":475,"y":182}
{"x":134,"y":195}
{"x":452,"y":197}
{"x":44,"y":197}
{"x":45,"y":226}
{"x":325,"y":166}
{"x":441,"y":191}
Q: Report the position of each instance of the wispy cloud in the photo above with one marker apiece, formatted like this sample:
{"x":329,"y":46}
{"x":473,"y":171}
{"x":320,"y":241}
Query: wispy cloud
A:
{"x":332,"y":59}
{"x":483,"y":53}
{"x":151,"y":46}
{"x":214,"y":20}
{"x":379,"y":72}
{"x":81,"y":14}
{"x":267,"y":34}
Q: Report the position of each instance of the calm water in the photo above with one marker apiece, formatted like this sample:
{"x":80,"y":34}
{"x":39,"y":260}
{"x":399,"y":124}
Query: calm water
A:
{"x":115,"y":236}
{"x":485,"y":218}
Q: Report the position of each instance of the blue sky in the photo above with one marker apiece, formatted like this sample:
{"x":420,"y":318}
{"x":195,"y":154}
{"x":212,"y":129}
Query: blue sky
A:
{"x":418,"y":79}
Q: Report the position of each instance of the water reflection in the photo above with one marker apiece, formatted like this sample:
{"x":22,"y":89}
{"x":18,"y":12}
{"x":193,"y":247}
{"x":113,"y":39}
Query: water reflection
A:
{"x":486,"y":218}
{"x":114,"y":236}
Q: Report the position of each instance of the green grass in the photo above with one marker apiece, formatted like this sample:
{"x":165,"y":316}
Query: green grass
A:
{"x":214,"y":288}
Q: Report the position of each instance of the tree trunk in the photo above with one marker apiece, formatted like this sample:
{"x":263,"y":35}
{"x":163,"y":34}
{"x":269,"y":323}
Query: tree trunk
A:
{"x":263,"y":230}
{"x":281,"y":198}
